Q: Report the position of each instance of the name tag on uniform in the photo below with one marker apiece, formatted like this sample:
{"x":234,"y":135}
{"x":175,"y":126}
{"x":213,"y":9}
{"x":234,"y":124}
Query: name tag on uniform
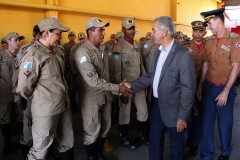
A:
{"x":27,"y":65}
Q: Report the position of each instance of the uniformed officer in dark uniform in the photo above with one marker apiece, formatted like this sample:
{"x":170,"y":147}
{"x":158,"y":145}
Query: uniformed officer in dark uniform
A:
{"x":219,"y":72}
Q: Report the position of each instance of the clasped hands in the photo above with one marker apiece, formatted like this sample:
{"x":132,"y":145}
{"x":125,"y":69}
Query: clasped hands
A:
{"x":124,"y":91}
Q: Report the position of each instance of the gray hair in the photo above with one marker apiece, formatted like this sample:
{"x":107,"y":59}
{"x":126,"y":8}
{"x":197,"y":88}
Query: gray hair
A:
{"x":166,"y":22}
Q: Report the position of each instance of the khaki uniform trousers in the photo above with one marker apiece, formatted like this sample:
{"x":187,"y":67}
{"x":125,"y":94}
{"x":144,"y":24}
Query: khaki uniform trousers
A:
{"x":44,"y":130}
{"x":96,"y":122}
{"x":26,"y":138}
{"x":6,"y":109}
{"x":139,"y":100}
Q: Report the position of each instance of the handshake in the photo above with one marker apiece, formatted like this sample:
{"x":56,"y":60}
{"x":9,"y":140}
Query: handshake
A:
{"x":124,"y":91}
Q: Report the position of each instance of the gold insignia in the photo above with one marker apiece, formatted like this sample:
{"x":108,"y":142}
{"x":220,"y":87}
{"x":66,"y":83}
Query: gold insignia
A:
{"x":129,"y":21}
{"x":99,"y":20}
{"x":209,"y":37}
{"x":233,"y":35}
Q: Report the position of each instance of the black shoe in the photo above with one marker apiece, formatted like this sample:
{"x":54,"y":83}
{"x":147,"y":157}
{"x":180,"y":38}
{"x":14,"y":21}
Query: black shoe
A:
{"x":194,"y":151}
{"x":101,"y":157}
{"x":223,"y":157}
{"x":188,"y":141}
{"x":141,"y":133}
{"x":91,"y":151}
{"x":125,"y":142}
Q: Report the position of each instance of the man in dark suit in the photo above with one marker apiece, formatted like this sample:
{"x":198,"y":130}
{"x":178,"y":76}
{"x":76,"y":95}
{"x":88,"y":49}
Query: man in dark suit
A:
{"x":173,"y":79}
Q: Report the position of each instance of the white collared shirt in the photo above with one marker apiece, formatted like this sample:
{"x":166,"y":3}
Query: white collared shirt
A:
{"x":161,"y":60}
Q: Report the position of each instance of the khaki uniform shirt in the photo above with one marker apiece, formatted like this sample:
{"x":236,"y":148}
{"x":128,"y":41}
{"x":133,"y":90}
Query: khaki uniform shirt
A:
{"x":92,"y":64}
{"x":67,"y":48}
{"x":127,"y":61}
{"x":7,"y":62}
{"x":220,"y":56}
{"x":198,"y":56}
{"x":71,"y":61}
{"x":108,"y":46}
{"x":41,"y":76}
{"x":148,"y":50}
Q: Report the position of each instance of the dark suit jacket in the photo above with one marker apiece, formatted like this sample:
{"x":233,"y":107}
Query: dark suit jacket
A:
{"x":177,"y":84}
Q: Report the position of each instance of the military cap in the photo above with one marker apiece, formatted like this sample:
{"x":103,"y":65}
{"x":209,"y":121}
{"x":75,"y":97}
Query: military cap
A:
{"x":112,"y":35}
{"x":186,"y":37}
{"x":128,"y":23}
{"x":81,"y":35}
{"x":3,"y":40}
{"x":211,"y":14}
{"x":96,"y":22}
{"x":71,"y":33}
{"x":51,"y":23}
{"x":36,"y":30}
{"x":148,"y":35}
{"x":14,"y":35}
{"x":119,"y":34}
{"x":179,"y":33}
{"x":198,"y":25}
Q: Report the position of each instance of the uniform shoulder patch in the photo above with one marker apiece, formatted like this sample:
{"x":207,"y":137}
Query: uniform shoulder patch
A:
{"x":145,"y":46}
{"x":116,"y":57}
{"x":233,"y":35}
{"x":208,"y":38}
{"x":109,"y":53}
{"x":27,"y":65}
{"x":83,"y":59}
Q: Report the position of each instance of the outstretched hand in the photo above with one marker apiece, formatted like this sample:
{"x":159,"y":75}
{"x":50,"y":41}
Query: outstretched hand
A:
{"x":125,"y":88}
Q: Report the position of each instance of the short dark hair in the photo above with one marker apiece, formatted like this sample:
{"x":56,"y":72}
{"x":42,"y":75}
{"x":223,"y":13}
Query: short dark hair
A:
{"x":90,"y":29}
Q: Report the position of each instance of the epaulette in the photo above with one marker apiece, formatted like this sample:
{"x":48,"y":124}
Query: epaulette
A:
{"x":27,"y":45}
{"x":32,"y":48}
{"x":233,"y":35}
{"x":208,"y":37}
{"x":185,"y":43}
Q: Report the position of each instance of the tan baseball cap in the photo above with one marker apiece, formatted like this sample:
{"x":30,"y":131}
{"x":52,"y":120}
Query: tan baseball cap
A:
{"x":179,"y":33}
{"x":128,"y":23}
{"x":51,"y":23}
{"x":81,"y":35}
{"x":148,"y":35}
{"x":119,"y":34}
{"x":71,"y":33}
{"x":14,"y":35}
{"x":96,"y":22}
{"x":3,"y":40}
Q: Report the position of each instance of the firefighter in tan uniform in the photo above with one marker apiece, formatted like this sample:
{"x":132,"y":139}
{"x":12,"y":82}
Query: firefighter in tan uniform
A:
{"x":197,"y":47}
{"x":109,"y":44}
{"x":94,"y":96}
{"x":219,"y":72}
{"x":41,"y":77}
{"x":119,"y":36}
{"x":128,"y":65}
{"x":4,"y":43}
{"x":7,"y":61}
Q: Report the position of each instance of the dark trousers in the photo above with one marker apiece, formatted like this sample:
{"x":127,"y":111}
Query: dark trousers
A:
{"x":225,"y":121}
{"x":156,"y":136}
{"x":196,"y":125}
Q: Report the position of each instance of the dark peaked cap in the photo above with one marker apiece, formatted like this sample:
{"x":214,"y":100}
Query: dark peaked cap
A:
{"x":211,"y":14}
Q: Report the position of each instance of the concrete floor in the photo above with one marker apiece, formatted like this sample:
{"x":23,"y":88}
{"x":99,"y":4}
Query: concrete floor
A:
{"x":113,"y":151}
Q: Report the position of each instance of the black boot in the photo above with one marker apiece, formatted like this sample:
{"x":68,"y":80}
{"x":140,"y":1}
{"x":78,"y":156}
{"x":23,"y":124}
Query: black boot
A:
{"x":50,"y":155}
{"x":141,"y":133}
{"x":68,"y":155}
{"x":6,"y":132}
{"x":25,"y":150}
{"x":20,"y":126}
{"x":100,"y":149}
{"x":91,"y":150}
{"x":125,"y":142}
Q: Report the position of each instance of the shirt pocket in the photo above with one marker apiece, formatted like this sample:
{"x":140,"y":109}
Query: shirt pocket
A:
{"x":224,"y":57}
{"x":125,"y":60}
{"x":52,"y":67}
